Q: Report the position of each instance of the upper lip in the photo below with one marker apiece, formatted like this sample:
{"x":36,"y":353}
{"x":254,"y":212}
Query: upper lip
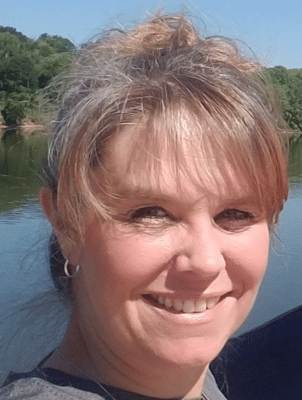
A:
{"x":189,"y":295}
{"x":185,"y":304}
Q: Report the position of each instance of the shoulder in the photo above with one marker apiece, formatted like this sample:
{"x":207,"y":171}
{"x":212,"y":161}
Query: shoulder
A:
{"x":273,"y":333}
{"x":38,"y":389}
{"x":210,"y":390}
{"x":265,"y":362}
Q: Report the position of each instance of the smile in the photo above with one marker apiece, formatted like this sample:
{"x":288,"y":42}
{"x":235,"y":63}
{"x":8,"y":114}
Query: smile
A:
{"x":182,"y":306}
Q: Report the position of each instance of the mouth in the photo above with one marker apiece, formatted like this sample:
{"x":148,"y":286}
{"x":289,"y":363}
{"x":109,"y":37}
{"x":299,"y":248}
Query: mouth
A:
{"x":179,"y":306}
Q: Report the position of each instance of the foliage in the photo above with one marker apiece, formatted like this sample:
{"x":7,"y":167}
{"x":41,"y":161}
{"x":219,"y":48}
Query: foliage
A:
{"x":288,"y":84}
{"x":58,"y":43}
{"x":51,"y":66}
{"x":14,"y":32}
{"x":16,"y":66}
{"x":15,"y":108}
{"x":27,"y":65}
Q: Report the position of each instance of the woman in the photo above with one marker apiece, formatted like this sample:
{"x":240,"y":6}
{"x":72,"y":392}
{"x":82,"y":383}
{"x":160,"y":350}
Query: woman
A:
{"x":166,"y":175}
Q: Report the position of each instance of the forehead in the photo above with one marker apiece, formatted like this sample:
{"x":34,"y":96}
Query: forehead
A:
{"x":137,"y":168}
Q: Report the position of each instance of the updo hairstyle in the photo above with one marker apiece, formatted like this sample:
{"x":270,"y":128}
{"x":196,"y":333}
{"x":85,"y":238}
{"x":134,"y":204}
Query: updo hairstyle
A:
{"x":182,"y":87}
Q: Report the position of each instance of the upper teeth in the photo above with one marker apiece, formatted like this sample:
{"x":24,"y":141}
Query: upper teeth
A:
{"x":187,"y":306}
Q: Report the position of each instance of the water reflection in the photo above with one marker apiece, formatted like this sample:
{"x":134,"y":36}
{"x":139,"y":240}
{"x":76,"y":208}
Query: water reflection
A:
{"x":295,"y":159}
{"x":20,"y":158}
{"x":28,"y":207}
{"x":22,"y":153}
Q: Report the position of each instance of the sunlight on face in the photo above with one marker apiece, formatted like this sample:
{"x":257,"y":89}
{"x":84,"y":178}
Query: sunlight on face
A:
{"x":177,"y":270}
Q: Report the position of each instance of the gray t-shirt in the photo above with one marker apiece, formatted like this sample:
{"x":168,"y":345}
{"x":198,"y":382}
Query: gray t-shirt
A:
{"x":40,"y":385}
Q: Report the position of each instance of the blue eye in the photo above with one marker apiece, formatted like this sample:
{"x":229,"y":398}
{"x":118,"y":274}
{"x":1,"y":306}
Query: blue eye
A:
{"x":233,"y":219}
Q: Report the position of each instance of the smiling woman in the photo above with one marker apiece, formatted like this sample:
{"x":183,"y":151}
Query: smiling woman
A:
{"x":166,"y":175}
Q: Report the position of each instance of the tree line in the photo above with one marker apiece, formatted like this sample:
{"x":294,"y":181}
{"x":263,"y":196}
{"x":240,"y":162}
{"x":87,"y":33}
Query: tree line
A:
{"x":288,"y":85}
{"x":27,"y":65}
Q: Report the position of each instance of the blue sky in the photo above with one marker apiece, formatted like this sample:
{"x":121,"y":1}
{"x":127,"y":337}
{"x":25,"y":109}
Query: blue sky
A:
{"x":273,"y":29}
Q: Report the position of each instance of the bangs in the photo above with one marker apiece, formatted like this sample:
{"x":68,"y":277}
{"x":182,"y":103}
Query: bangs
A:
{"x":188,"y":144}
{"x":199,"y":149}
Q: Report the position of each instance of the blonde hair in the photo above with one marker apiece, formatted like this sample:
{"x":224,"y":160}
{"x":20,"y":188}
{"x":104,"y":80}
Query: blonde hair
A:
{"x":163,"y":74}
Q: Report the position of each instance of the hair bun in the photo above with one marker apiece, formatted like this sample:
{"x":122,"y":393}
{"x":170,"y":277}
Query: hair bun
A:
{"x":160,"y":33}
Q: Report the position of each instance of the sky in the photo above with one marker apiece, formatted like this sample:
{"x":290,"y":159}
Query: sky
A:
{"x":272,"y":29}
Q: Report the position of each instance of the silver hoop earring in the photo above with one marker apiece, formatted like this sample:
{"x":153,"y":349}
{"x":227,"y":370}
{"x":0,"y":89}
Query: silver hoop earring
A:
{"x":77,"y":268}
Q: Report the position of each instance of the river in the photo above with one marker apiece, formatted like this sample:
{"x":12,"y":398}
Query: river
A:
{"x":23,"y":249}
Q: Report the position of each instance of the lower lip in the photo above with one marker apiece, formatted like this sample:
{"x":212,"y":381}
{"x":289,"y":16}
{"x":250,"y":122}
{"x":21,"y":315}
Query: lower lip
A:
{"x":191,"y":318}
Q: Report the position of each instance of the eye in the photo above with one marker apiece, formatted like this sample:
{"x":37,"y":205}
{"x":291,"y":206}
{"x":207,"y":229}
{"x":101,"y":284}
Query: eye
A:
{"x":233,"y":219}
{"x":149,"y":213}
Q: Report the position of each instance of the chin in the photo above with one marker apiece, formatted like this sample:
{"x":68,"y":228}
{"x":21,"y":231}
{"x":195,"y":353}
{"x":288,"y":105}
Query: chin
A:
{"x":192,"y":353}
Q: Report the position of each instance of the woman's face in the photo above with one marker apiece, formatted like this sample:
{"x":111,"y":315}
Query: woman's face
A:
{"x":175,"y":273}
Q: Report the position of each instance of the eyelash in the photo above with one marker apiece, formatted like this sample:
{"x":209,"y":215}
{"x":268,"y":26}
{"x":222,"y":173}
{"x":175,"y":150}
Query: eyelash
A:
{"x":230,"y":219}
{"x":233,"y":219}
{"x":146,"y":213}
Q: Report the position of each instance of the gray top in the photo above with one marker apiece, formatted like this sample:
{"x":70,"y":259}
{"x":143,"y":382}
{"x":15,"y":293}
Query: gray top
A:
{"x":37,"y":388}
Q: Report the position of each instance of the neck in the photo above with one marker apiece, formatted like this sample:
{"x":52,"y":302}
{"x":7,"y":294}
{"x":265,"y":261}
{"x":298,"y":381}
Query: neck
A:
{"x":100,"y":364}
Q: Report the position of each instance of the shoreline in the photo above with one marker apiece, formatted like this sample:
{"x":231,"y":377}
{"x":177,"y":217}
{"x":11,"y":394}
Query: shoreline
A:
{"x":26,"y":125}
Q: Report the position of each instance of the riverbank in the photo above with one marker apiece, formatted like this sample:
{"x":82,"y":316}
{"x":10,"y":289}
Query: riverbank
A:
{"x":26,"y":128}
{"x":26,"y":125}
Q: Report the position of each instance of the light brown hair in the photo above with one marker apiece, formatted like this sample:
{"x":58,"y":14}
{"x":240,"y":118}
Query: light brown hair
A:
{"x":163,"y":75}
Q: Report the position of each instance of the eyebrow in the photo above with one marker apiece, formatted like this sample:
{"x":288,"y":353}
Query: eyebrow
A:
{"x":142,"y":192}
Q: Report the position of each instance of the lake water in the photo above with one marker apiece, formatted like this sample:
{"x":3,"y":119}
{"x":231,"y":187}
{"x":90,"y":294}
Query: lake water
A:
{"x":23,"y":267}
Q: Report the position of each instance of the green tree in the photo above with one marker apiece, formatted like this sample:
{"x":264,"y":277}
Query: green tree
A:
{"x":13,"y":31}
{"x":51,"y":66}
{"x":54,"y":55}
{"x":16,"y":65}
{"x":18,"y":79}
{"x":59,"y":44}
{"x":15,"y":108}
{"x":288,"y":84}
{"x":27,"y":65}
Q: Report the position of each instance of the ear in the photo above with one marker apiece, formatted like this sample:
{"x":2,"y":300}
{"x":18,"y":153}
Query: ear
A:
{"x":49,"y":207}
{"x":69,"y":248}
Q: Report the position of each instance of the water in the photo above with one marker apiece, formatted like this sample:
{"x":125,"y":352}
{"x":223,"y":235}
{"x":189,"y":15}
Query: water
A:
{"x":24,"y":234}
{"x":281,"y":289}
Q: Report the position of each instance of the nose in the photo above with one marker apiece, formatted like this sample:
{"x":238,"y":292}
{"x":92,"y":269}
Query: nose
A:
{"x":202,"y":251}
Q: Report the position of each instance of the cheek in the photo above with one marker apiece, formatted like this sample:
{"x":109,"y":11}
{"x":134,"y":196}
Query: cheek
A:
{"x":252,"y":257}
{"x":125,"y":259}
